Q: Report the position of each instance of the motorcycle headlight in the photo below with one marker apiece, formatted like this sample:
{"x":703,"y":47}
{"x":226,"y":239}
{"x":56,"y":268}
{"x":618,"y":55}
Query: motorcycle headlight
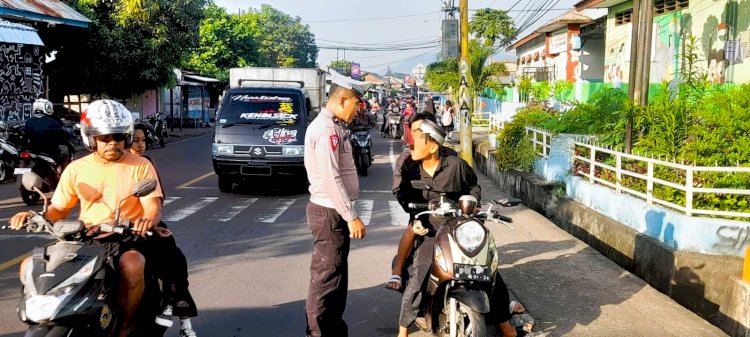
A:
{"x":81,"y":275}
{"x":222,"y":149}
{"x":440,"y":259}
{"x":293,"y":150}
{"x":41,"y":307}
{"x":470,"y":235}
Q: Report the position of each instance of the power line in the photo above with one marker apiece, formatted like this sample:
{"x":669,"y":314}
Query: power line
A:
{"x":404,"y":59}
{"x":384,"y":45}
{"x":378,"y":49}
{"x":370,"y":19}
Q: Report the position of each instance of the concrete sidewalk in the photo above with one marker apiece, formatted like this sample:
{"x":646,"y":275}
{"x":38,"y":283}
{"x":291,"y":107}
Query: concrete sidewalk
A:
{"x":573,"y":290}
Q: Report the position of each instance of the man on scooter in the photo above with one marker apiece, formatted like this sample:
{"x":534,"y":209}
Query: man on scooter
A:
{"x":99,"y":182}
{"x":363,"y":120}
{"x":46,"y":135}
{"x":451,"y":174}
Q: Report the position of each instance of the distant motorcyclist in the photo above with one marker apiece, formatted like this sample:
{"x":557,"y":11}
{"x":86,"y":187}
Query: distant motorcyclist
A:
{"x":45,"y":134}
{"x":363,"y":120}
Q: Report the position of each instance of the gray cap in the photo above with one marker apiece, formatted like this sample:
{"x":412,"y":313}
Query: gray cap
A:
{"x":359,"y":87}
{"x":433,"y":130}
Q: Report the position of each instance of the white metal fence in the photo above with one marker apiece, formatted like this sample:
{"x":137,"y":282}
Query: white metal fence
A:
{"x":542,"y":140}
{"x":688,"y":172}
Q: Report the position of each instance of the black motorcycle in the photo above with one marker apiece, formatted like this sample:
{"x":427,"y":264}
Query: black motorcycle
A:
{"x":44,"y":166}
{"x":155,"y":131}
{"x":70,"y":286}
{"x":362,"y":150}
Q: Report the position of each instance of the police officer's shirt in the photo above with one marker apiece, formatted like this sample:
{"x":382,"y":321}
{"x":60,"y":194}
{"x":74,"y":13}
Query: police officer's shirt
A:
{"x":330,"y":165}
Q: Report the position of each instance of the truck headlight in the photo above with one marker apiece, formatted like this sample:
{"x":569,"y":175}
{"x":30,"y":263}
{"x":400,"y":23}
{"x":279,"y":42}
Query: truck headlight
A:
{"x":293,"y":151}
{"x":470,"y":235}
{"x":222,"y":149}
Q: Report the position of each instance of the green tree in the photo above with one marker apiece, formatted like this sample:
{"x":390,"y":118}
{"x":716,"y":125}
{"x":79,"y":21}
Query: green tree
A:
{"x":121,"y":55}
{"x":344,"y":66}
{"x":493,"y":26}
{"x":284,"y":41}
{"x":226,"y":41}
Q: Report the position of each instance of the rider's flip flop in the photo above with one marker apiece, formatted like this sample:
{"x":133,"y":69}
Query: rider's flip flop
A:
{"x":394,"y":279}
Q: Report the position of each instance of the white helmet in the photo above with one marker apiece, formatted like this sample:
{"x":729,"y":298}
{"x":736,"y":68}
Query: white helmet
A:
{"x":43,"y":106}
{"x":105,"y":117}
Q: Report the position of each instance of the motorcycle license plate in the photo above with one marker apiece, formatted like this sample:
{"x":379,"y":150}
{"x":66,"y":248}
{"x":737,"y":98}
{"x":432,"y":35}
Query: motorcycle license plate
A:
{"x":21,"y":170}
{"x":470,"y":272}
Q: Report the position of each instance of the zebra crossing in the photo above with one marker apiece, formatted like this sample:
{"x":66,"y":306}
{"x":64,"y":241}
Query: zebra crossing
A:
{"x":270,"y":210}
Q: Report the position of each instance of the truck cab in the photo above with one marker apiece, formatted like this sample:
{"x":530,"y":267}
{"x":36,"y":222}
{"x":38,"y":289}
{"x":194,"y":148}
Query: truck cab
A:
{"x":260,"y":132}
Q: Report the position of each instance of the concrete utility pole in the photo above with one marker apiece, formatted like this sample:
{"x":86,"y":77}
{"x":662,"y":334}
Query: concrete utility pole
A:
{"x":463,"y":91}
{"x":640,"y":60}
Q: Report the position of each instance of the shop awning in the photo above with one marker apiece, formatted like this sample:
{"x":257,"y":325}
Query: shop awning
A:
{"x":50,"y":11}
{"x":17,"y":33}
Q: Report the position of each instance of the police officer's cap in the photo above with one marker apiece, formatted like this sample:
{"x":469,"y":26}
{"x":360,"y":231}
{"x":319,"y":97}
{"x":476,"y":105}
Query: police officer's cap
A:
{"x":358,"y":87}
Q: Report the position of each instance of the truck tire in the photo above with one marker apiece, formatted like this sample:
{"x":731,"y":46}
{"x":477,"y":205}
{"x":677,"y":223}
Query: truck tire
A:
{"x":225,"y":184}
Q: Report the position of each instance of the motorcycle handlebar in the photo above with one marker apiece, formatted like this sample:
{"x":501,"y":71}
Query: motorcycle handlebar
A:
{"x":418,"y":205}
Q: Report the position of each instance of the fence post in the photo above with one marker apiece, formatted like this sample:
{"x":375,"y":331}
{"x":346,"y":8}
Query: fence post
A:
{"x":544,"y":144}
{"x":619,"y":173}
{"x":592,"y":164}
{"x":689,"y":191}
{"x":650,"y":183}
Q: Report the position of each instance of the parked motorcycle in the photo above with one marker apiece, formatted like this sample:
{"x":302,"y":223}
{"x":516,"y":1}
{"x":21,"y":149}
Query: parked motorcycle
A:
{"x":70,"y":286}
{"x":44,"y":166}
{"x":8,"y":154}
{"x":464,"y":266}
{"x":362,"y":150}
{"x":158,"y":125}
{"x":395,"y":123}
{"x":152,"y":138}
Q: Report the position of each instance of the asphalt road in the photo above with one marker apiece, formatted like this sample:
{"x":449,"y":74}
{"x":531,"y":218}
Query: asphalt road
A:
{"x":249,"y":252}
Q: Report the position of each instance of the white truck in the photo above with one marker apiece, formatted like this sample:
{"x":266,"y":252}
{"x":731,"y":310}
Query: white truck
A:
{"x":314,"y":80}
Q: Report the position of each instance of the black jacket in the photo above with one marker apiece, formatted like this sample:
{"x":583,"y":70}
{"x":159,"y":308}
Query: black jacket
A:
{"x":454,"y":176}
{"x":45,"y":133}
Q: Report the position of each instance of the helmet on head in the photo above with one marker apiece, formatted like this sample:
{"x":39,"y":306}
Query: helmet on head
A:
{"x":43,"y":106}
{"x":105,"y":117}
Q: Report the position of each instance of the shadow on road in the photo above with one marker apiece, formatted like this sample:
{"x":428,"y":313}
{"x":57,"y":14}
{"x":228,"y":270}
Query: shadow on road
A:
{"x":564,"y":287}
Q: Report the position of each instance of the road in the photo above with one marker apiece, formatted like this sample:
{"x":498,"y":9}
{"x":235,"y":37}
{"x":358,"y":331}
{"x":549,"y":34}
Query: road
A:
{"x":249,"y":255}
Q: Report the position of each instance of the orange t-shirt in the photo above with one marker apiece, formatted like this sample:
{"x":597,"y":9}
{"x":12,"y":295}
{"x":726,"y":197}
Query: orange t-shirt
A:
{"x":99,"y":187}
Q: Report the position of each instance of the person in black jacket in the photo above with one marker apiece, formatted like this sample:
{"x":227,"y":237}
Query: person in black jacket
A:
{"x":46,"y":134}
{"x":170,"y":264}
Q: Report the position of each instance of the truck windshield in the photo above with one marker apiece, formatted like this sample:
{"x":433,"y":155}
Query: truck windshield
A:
{"x":262,"y":109}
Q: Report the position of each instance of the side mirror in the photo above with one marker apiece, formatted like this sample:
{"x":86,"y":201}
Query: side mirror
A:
{"x":31,"y":181}
{"x":144,"y":188}
{"x":509,"y":202}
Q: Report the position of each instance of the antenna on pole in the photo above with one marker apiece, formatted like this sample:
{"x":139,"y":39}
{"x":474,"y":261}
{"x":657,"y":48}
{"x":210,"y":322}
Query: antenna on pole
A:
{"x":450,"y":9}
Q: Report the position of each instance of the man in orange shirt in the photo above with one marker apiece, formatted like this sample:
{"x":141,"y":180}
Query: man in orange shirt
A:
{"x":99,"y":182}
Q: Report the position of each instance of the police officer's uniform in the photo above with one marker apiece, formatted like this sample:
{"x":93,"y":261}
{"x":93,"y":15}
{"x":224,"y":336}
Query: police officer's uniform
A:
{"x":334,"y":186}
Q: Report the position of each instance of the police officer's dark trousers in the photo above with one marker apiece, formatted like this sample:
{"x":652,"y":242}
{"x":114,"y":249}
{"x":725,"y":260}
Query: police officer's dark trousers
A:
{"x":326,"y":299}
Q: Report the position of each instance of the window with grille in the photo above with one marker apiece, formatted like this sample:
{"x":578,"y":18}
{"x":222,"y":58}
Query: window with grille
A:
{"x":623,"y":17}
{"x":668,"y":6}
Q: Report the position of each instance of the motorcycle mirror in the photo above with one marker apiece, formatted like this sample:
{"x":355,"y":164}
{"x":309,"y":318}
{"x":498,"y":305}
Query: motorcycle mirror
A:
{"x":31,"y":181}
{"x":468,"y":204}
{"x":509,"y":202}
{"x":144,"y":188}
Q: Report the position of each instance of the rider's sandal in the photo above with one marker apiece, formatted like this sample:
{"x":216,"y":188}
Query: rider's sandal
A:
{"x":394,"y":279}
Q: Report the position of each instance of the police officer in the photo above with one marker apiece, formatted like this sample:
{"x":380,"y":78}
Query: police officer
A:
{"x":330,"y":212}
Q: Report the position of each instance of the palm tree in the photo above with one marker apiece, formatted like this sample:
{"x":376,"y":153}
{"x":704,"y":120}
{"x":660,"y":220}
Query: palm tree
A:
{"x":444,"y":75}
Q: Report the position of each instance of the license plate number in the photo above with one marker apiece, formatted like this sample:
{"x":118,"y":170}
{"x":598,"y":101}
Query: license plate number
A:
{"x":471,"y":272}
{"x":21,"y":170}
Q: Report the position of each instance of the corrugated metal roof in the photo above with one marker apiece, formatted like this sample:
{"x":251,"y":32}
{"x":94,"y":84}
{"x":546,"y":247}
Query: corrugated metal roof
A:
{"x":52,"y":11}
{"x":17,"y":33}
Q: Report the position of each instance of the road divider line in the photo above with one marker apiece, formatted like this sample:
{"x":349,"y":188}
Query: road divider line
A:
{"x":195,"y":180}
{"x":398,"y":216}
{"x":274,"y":212}
{"x":364,"y":209}
{"x":232,"y":211}
{"x":170,"y":200}
{"x":183,"y":213}
{"x":14,"y":261}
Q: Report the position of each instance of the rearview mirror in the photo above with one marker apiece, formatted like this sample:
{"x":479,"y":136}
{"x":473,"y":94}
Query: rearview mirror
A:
{"x":31,"y":180}
{"x":509,"y":202}
{"x":144,"y":188}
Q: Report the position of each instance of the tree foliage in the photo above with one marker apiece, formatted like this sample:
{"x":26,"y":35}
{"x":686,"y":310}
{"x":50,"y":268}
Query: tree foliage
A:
{"x":344,"y":66}
{"x":493,"y":26}
{"x":284,"y":41}
{"x":122,"y":54}
{"x":445,"y":75}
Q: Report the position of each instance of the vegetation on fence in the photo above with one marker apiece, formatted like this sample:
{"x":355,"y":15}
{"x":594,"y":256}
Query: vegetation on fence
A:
{"x":693,"y":122}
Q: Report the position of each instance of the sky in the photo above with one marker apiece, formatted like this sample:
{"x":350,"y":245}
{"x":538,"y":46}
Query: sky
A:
{"x":382,"y":23}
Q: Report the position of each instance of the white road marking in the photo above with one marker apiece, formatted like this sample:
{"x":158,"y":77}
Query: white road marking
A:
{"x":272,"y":213}
{"x":364,"y":209}
{"x":26,"y":237}
{"x":398,"y":216}
{"x":169,"y":200}
{"x":230,"y":212}
{"x":184,"y":212}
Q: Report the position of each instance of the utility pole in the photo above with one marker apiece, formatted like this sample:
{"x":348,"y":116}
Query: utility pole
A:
{"x":463,"y":91}
{"x":640,"y":60}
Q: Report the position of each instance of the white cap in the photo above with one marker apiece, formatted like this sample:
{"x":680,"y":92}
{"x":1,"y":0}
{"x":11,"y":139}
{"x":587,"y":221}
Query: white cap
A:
{"x":359,"y":87}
